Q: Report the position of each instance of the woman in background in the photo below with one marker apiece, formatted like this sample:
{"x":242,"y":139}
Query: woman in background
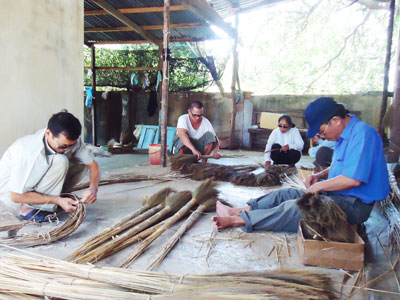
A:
{"x":284,"y":144}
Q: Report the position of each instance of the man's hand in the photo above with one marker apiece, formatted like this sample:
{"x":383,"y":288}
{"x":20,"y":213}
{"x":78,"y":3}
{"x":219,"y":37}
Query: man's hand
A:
{"x":89,"y":196}
{"x":197,"y":153}
{"x":67,"y":204}
{"x":267,"y":164}
{"x":217,"y":155}
{"x":311,"y":179}
{"x":284,"y":148}
{"x":315,"y":188}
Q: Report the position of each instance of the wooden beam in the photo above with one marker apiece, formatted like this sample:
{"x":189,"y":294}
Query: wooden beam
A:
{"x":165,"y":85}
{"x":203,"y":9}
{"x":124,"y":19}
{"x":234,"y":81}
{"x":179,"y":40}
{"x":126,"y":68}
{"x":94,"y":100}
{"x":135,"y":10}
{"x":147,"y":27}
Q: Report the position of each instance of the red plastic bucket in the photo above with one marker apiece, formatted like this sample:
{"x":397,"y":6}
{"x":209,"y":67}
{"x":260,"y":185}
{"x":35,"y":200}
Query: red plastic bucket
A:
{"x":155,"y":154}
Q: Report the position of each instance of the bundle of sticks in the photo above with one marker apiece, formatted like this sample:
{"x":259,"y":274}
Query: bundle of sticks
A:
{"x":33,"y":277}
{"x":67,"y":228}
{"x":146,"y":224}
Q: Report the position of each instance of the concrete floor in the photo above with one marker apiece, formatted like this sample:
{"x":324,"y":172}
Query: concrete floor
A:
{"x":233,"y":249}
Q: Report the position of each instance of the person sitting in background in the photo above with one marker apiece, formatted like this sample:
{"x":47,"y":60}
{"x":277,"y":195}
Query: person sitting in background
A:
{"x":322,"y":152}
{"x":195,"y":134}
{"x":284,"y":144}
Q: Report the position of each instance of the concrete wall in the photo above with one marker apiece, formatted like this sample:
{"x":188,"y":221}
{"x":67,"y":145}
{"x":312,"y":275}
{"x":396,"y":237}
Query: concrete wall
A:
{"x":368,"y":104}
{"x":42,"y":64}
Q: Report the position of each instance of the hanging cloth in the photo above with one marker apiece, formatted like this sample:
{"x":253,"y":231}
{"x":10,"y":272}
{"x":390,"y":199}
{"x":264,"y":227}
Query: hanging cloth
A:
{"x":152,"y":106}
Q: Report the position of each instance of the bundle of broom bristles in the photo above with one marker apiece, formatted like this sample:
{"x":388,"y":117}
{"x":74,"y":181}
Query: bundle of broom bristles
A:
{"x":391,"y":210}
{"x":324,"y":219}
{"x":238,"y":175}
{"x":147,"y":223}
{"x":38,"y":277}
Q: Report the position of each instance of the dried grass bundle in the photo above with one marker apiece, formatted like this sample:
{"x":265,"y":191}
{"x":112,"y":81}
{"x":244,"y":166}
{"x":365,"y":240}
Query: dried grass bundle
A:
{"x":149,"y":207}
{"x":58,"y":233}
{"x":55,"y":278}
{"x":325,"y":219}
{"x":182,"y":162}
{"x":244,"y":178}
{"x":172,"y":204}
{"x":180,"y":232}
{"x":203,"y":192}
{"x":391,"y":210}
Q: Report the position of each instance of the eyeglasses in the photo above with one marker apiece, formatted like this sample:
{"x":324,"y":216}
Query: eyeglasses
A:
{"x":64,"y":147}
{"x":283,"y":126}
{"x":196,"y":116}
{"x":323,"y":133}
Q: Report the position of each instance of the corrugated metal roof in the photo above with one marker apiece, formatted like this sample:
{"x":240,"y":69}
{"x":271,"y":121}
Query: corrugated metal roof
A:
{"x":144,"y":19}
{"x":189,"y":31}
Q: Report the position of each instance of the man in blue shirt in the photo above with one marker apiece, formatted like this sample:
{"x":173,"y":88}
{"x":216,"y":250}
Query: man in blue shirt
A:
{"x":356,"y":179}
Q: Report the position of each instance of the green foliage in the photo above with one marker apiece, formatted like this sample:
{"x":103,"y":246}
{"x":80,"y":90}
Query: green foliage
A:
{"x":186,"y":72}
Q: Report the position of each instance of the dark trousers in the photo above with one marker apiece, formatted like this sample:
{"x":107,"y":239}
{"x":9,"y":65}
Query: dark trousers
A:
{"x":289,"y":157}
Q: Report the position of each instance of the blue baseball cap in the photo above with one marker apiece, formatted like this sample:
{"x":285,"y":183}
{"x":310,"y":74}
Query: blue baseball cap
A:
{"x":316,"y":112}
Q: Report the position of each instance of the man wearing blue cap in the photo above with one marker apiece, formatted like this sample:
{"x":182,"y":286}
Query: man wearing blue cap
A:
{"x":356,"y":179}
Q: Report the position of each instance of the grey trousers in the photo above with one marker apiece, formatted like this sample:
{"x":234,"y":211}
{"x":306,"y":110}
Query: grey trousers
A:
{"x":62,"y":176}
{"x":199,"y":144}
{"x":278,"y":211}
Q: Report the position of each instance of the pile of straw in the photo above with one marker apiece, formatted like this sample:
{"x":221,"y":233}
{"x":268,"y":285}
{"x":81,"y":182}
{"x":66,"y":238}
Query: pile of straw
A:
{"x":47,"y":277}
{"x":60,"y":232}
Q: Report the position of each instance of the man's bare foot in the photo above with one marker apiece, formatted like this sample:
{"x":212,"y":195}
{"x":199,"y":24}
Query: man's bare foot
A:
{"x":24,"y":210}
{"x":226,"y":222}
{"x":223,"y":210}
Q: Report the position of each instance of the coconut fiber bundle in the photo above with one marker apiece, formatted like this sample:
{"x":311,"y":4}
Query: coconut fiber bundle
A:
{"x":60,"y":232}
{"x":324,"y":219}
{"x":47,"y":277}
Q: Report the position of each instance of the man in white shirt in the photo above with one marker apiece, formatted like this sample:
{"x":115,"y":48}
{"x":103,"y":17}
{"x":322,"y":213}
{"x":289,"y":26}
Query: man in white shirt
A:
{"x":37,"y":168}
{"x":195,"y":134}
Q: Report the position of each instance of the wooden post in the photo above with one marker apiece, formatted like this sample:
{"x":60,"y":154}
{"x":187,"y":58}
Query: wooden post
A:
{"x":387,"y":68}
{"x":165,"y":84}
{"x":394,"y":145}
{"x":234,"y":80}
{"x":93,"y":110}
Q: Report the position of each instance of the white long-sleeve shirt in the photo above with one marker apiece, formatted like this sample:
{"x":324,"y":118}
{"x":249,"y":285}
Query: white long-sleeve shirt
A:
{"x":292,"y":138}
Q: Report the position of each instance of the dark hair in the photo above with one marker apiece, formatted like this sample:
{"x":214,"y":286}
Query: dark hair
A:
{"x":288,"y":119}
{"x":65,"y":123}
{"x":339,"y":111}
{"x":197,"y":104}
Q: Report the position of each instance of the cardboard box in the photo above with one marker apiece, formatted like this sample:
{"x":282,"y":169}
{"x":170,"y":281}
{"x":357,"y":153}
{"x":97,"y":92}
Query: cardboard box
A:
{"x":348,"y":256}
{"x":269,"y":120}
{"x":303,"y":174}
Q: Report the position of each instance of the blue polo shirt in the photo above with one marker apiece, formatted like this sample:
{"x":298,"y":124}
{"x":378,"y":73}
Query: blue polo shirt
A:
{"x":359,"y":155}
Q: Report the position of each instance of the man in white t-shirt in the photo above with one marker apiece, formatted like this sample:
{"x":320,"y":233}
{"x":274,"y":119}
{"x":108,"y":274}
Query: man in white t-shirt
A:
{"x":195,"y":134}
{"x":37,"y":168}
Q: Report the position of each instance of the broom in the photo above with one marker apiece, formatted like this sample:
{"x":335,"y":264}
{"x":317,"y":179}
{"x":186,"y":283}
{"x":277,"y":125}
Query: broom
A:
{"x":172,"y":204}
{"x":69,"y":226}
{"x":149,"y":207}
{"x":182,"y":229}
{"x":203,"y":192}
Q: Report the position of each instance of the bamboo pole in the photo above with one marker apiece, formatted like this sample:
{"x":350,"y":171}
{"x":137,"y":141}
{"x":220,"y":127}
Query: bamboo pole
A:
{"x":234,"y":80}
{"x":165,"y":85}
{"x":93,"y":108}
